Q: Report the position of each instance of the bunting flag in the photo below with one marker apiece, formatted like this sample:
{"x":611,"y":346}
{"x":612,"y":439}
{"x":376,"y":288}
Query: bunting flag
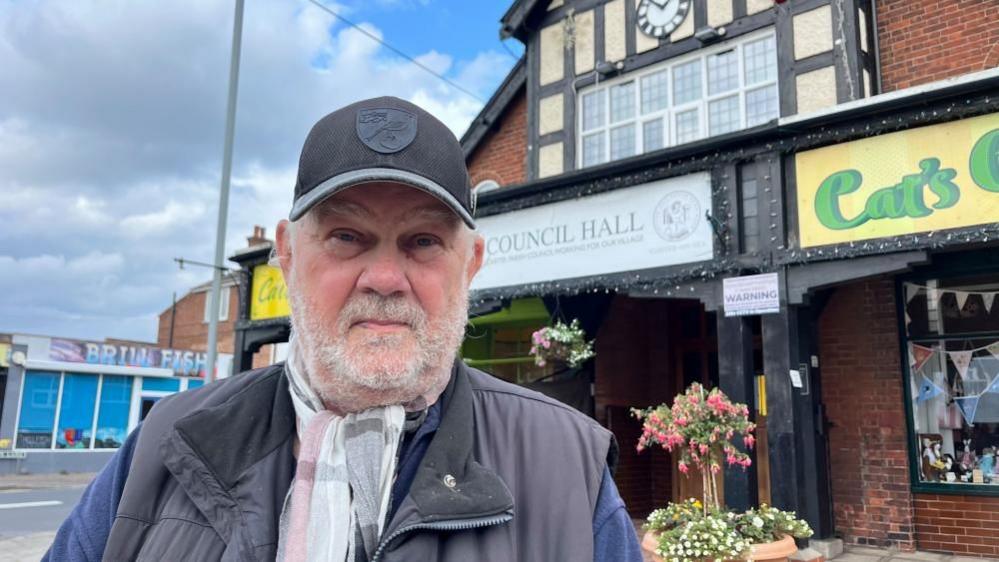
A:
{"x":961,"y":360}
{"x":961,"y":297}
{"x":927,"y":390}
{"x":993,"y":348}
{"x":968,"y":405}
{"x":922,"y":354}
{"x":933,"y":295}
{"x":994,"y":387}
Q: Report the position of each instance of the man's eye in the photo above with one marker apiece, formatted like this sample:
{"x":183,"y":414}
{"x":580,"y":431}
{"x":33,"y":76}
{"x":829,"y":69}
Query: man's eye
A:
{"x":342,"y":236}
{"x":425,"y":241}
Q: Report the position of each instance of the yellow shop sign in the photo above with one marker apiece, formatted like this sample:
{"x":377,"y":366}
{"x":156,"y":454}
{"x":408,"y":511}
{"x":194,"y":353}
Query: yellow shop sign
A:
{"x":926,"y":179}
{"x":269,"y":297}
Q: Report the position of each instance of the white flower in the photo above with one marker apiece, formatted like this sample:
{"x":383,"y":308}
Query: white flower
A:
{"x":757,"y":522}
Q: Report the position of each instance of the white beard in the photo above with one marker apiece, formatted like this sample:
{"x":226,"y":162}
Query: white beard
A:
{"x":410,"y":368}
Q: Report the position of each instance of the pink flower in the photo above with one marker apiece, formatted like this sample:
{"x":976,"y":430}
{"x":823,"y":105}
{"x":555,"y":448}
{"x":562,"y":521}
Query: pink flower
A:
{"x":683,"y":467}
{"x":749,"y":440}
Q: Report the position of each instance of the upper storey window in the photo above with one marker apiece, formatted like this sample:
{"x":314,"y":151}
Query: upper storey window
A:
{"x":715,"y":91}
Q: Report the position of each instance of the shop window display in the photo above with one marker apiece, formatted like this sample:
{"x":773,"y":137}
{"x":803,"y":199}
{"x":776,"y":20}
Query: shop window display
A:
{"x":952,"y":340}
{"x":112,"y":418}
{"x":38,"y":408}
{"x":76,"y":411}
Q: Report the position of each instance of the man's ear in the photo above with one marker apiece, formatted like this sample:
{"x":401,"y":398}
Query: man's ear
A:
{"x":478,"y":253}
{"x":283,"y":239}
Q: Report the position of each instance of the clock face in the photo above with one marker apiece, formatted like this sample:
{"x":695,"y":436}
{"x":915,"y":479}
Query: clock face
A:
{"x":658,"y":18}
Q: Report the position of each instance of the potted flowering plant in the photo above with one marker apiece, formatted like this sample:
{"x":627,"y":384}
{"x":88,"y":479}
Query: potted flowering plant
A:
{"x":698,"y":429}
{"x":561,"y":343}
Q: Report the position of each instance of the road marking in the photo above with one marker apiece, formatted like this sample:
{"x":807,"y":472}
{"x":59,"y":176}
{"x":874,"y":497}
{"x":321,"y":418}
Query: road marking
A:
{"x":45,"y":503}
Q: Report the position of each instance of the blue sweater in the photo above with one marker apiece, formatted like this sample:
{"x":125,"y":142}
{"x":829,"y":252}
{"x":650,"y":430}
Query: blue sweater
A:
{"x":82,"y":536}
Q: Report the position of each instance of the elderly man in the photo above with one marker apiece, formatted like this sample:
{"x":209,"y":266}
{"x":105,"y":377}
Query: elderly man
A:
{"x":372,"y":442}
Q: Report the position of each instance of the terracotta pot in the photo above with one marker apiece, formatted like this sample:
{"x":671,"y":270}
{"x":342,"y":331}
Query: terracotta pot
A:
{"x":762,"y":552}
{"x":773,"y":551}
{"x":649,"y":543}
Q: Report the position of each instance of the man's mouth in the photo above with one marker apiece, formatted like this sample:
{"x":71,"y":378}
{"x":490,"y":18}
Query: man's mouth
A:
{"x":379,"y":325}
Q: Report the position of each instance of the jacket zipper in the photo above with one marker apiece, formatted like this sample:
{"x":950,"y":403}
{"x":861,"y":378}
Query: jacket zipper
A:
{"x":452,"y":525}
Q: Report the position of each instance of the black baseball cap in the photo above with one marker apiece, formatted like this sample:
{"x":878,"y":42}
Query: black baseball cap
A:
{"x":382,"y":139}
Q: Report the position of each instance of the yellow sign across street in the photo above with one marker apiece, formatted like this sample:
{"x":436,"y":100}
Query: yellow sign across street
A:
{"x":269,"y":296}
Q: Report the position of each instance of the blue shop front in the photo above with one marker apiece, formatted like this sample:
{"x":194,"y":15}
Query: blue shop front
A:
{"x":69,"y":404}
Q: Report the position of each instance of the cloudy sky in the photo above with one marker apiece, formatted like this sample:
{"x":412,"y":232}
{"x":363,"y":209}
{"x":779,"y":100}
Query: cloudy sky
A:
{"x":111,"y":125}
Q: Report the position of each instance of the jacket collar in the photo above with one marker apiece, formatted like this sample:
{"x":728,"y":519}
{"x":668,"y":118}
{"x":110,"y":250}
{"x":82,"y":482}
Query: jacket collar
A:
{"x":213,"y":449}
{"x":449,"y":483}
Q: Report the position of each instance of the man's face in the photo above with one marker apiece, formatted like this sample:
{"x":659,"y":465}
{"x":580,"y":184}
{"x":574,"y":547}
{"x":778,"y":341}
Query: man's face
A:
{"x":378,"y":277}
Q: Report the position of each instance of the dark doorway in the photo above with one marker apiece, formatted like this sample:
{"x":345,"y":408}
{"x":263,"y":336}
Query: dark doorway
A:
{"x":147,"y":405}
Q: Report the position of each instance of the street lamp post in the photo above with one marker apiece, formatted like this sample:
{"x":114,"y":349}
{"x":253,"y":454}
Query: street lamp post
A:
{"x":230,"y":126}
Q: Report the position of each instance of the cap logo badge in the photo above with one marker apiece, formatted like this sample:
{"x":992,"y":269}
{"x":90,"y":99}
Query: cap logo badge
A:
{"x":386,"y":130}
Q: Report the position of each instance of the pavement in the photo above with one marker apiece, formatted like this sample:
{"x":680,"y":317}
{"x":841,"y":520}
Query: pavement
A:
{"x":864,"y":554}
{"x":31,"y":509}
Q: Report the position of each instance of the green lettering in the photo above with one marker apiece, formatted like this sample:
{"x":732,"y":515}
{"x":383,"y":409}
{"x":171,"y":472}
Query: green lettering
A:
{"x":827,"y":200}
{"x":266,"y":291}
{"x":984,"y":161}
{"x":885,"y":203}
{"x":941,"y":183}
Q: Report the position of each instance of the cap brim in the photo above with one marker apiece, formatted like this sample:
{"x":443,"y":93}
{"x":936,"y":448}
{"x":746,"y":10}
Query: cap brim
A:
{"x":347,"y":180}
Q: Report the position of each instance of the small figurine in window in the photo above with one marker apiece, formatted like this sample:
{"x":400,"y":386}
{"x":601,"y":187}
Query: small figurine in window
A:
{"x":932,"y":465}
{"x":968,"y":457}
{"x":987,"y":463}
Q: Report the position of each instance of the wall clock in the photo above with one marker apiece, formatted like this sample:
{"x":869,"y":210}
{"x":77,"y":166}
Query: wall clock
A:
{"x":658,"y":18}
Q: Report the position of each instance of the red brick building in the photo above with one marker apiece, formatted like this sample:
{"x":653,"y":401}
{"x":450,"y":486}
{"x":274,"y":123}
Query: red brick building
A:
{"x":886,"y":307}
{"x":184,"y":324}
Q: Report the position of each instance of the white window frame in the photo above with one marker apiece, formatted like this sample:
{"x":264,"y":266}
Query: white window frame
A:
{"x":224,"y":296}
{"x":668,"y":114}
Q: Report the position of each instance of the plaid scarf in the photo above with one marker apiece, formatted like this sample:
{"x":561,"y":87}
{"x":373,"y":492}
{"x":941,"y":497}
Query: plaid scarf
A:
{"x":343,"y":479}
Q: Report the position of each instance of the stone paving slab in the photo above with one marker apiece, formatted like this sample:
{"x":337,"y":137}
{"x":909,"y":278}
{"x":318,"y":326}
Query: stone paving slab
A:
{"x":25,"y":547}
{"x":866,"y":554}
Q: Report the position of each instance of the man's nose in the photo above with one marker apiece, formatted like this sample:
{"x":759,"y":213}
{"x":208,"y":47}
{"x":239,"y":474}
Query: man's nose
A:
{"x":385,"y":274}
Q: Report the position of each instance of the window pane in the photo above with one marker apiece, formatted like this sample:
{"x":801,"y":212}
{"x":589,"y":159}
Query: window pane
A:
{"x":952,"y":385}
{"x":761,"y":105}
{"x":38,"y":405}
{"x":723,"y":72}
{"x":622,"y":140}
{"x":622,"y":102}
{"x":112,"y":417}
{"x":593,"y":110}
{"x":687,"y":82}
{"x":593,"y":149}
{"x":687,"y":126}
{"x":952,"y":306}
{"x":654,"y":91}
{"x":723,"y":115}
{"x":224,"y":304}
{"x":160,"y":384}
{"x":76,"y":412}
{"x":652,"y":135}
{"x":760,"y":61}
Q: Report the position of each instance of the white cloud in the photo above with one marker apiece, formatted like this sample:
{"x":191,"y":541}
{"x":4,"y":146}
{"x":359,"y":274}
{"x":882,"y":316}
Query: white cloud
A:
{"x":111,"y":142}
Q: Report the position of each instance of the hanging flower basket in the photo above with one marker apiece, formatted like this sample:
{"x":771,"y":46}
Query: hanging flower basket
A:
{"x":561,"y":343}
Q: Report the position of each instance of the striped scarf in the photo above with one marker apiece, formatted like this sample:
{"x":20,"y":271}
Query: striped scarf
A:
{"x":343,"y":479}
